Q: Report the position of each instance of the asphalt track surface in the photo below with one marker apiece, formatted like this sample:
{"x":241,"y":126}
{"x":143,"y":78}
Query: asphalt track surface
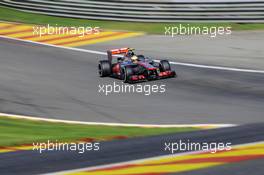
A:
{"x":32,"y":162}
{"x":59,"y":83}
{"x":243,"y":49}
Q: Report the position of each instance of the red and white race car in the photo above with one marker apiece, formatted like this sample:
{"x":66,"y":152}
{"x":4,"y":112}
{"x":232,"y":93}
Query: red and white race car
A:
{"x":124,"y":64}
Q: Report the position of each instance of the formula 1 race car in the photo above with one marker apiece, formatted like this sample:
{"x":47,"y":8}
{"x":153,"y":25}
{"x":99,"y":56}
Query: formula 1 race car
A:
{"x":124,"y":64}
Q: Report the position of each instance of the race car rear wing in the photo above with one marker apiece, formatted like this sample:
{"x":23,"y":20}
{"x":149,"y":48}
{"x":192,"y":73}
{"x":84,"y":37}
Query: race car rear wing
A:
{"x":119,"y":51}
{"x":112,"y":52}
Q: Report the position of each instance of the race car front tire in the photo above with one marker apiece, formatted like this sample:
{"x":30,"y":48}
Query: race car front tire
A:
{"x":164,"y":65}
{"x":104,"y":68}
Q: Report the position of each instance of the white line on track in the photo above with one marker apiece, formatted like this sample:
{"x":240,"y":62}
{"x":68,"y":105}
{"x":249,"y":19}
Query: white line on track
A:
{"x":172,"y":62}
{"x":116,"y":124}
{"x":218,"y":67}
{"x":142,"y":160}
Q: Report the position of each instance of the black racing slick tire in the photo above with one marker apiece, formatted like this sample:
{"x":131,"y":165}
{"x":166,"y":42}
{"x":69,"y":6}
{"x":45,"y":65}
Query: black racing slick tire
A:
{"x":165,"y":65}
{"x":127,"y":72}
{"x":104,"y":68}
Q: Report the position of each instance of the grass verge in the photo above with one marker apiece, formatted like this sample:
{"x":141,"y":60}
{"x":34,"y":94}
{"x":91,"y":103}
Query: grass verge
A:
{"x":9,"y":14}
{"x":20,"y":131}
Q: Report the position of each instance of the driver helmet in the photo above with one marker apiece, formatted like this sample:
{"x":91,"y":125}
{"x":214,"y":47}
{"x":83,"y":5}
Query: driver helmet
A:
{"x":134,"y":58}
{"x":130,"y":53}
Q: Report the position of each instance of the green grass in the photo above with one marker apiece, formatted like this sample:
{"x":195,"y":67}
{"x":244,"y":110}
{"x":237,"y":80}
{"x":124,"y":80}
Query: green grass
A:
{"x":9,"y":14}
{"x":20,"y":131}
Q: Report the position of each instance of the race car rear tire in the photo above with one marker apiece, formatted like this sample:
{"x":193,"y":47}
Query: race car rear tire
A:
{"x":127,"y":72}
{"x":104,"y":68}
{"x":165,"y":65}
